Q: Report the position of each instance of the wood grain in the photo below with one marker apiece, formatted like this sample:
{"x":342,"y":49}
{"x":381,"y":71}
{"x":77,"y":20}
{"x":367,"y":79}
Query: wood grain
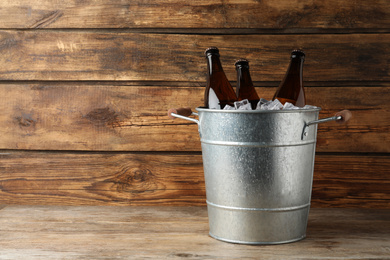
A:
{"x":101,"y":179}
{"x":350,"y":178}
{"x":99,"y":117}
{"x":94,"y":55}
{"x":163,"y":179}
{"x":85,"y":87}
{"x":268,"y":14}
{"x":59,"y":232}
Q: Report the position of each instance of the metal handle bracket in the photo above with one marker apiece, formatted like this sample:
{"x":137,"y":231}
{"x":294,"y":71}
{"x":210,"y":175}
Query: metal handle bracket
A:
{"x":306,"y":127}
{"x":186,"y":117}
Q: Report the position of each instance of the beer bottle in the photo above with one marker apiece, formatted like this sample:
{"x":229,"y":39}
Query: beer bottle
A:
{"x":291,"y":88}
{"x":244,"y":88}
{"x":218,"y":91}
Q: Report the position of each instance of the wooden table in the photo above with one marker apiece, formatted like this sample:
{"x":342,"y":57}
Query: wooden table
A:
{"x":106,"y":232}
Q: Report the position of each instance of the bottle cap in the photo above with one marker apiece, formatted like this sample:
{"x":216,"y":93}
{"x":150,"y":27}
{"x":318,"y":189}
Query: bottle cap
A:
{"x":241,"y":63}
{"x":297,"y":54}
{"x":211,"y":50}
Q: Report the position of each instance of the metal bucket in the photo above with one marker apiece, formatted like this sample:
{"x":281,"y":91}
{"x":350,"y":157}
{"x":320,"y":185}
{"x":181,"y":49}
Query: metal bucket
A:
{"x":258,"y":168}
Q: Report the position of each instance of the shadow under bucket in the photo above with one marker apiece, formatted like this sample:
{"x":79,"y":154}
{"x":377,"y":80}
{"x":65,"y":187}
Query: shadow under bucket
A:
{"x":258,"y":168}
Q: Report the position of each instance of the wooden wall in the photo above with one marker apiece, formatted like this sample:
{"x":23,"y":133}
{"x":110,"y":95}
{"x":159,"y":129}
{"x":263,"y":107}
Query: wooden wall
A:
{"x":85,"y":87}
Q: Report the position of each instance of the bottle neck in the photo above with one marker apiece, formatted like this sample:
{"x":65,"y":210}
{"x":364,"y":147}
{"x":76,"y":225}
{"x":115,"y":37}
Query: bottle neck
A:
{"x":243,"y":76}
{"x":296,"y":66}
{"x":295,"y":71}
{"x":213,"y":63}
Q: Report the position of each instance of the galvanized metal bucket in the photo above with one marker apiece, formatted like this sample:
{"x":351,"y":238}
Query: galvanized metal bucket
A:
{"x":258,"y":168}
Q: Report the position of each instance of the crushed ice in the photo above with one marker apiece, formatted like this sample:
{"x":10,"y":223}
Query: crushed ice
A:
{"x":242,"y":105}
{"x":264,"y":104}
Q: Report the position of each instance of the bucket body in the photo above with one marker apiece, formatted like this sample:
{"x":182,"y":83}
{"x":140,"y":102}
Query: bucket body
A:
{"x":258,"y":170}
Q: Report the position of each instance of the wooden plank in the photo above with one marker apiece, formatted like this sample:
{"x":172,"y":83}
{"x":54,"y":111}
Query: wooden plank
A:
{"x":349,"y":179}
{"x":195,"y":14}
{"x":91,"y":55}
{"x":101,"y":179}
{"x":74,"y":116}
{"x":59,"y":232}
{"x":163,"y":179}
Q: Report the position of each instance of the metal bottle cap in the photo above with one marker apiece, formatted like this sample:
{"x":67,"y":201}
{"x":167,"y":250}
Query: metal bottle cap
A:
{"x":242,"y":63}
{"x":297,"y":54}
{"x":211,"y":50}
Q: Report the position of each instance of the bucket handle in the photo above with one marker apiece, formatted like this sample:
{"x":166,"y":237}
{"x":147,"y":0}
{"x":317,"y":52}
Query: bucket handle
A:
{"x":340,"y":117}
{"x":183,"y":113}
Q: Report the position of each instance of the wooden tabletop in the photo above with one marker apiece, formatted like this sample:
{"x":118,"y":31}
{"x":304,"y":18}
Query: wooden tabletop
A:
{"x":106,"y":232}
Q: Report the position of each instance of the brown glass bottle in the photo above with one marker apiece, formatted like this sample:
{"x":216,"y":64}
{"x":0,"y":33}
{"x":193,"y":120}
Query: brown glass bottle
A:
{"x":218,"y":91}
{"x":291,"y":88}
{"x":245,"y":88}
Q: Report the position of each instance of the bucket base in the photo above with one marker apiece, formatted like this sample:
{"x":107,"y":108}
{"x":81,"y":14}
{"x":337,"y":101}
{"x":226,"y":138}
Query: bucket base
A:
{"x":258,"y":225}
{"x":257,"y":243}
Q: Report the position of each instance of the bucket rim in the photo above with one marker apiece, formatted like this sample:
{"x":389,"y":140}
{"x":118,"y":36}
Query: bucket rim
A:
{"x":207,"y":110}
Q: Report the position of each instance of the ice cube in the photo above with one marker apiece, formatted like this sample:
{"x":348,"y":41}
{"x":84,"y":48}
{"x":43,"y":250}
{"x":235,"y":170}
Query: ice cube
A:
{"x":271,"y":105}
{"x":309,"y":107}
{"x":290,"y":106}
{"x":261,"y":102}
{"x":243,"y":105}
{"x":228,"y":107}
